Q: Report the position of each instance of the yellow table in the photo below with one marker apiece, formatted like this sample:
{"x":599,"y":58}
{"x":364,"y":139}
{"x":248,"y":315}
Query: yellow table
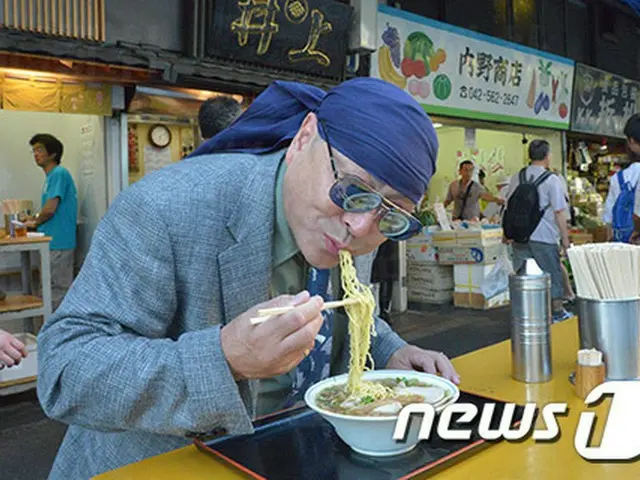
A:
{"x":484,"y":372}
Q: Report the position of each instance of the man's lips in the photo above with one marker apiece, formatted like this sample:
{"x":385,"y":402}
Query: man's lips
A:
{"x":333,"y":245}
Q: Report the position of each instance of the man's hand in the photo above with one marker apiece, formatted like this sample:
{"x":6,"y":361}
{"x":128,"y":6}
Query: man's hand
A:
{"x":12,"y":350}
{"x":411,"y":357}
{"x":276,"y":346}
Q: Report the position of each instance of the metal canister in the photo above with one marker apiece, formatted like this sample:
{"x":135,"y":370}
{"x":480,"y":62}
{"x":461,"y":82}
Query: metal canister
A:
{"x":530,"y":291}
{"x":612,"y":327}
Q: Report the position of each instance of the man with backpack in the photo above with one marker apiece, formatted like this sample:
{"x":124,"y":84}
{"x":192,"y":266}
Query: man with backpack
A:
{"x":535,"y":220}
{"x":621,"y":198}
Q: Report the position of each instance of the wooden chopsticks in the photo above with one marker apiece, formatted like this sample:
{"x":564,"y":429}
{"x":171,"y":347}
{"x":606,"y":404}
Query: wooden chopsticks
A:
{"x":266,"y":313}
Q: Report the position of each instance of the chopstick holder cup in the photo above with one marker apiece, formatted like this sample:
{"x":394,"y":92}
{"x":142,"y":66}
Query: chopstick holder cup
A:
{"x":590,"y":371}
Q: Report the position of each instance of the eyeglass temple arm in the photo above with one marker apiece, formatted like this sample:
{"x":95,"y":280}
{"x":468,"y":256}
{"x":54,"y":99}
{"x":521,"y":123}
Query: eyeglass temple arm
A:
{"x":331,"y":159}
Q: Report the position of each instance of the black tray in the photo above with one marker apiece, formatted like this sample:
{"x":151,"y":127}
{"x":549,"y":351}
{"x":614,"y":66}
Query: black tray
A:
{"x":299,"y":443}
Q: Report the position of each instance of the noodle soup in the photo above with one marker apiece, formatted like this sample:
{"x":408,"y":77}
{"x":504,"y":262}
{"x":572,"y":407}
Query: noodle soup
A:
{"x":372,"y":433}
{"x":398,"y":393}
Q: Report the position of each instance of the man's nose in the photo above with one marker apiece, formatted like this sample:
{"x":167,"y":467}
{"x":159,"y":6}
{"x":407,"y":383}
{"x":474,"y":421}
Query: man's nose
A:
{"x":361,"y":224}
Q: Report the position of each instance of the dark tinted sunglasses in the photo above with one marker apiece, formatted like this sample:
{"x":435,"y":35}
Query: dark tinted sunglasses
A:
{"x":354,"y":195}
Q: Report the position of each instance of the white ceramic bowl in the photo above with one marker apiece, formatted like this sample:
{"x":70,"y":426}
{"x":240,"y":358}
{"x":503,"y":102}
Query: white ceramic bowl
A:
{"x":374,"y":435}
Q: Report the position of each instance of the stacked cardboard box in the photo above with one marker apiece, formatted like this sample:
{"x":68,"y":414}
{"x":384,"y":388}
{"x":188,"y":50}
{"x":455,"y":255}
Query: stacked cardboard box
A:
{"x":580,"y":238}
{"x":468,"y":291}
{"x":427,"y":281}
{"x":480,"y":247}
{"x":431,"y":284}
{"x":472,"y":254}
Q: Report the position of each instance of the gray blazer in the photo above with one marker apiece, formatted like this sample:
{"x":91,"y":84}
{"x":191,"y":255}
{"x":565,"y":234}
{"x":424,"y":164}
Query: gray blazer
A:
{"x":132,"y":358}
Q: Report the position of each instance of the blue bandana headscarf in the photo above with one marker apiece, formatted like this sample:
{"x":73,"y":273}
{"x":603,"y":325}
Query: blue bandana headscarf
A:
{"x":370,"y":121}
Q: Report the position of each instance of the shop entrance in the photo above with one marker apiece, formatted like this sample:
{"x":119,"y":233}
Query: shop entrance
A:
{"x":499,"y":151}
{"x":74,"y":112}
{"x":162,"y":128}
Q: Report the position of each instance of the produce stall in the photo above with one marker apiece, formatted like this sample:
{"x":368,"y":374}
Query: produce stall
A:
{"x":602,"y":104}
{"x":588,"y":207}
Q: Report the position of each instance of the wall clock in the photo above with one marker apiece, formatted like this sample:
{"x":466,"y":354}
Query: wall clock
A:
{"x":160,"y":136}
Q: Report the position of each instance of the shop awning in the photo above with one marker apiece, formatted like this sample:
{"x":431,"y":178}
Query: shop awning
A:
{"x":159,"y":66}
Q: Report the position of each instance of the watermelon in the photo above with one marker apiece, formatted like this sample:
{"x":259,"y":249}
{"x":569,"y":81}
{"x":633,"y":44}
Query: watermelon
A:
{"x":442,"y":87}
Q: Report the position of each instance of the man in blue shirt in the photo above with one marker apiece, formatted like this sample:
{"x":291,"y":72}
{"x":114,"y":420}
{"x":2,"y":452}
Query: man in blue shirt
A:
{"x":57,"y":218}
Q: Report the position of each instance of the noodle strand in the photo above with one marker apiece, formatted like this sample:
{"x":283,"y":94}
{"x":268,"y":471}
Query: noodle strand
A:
{"x":361,"y":329}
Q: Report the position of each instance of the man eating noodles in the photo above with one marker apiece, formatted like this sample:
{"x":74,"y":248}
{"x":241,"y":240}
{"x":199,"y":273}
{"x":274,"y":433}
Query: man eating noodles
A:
{"x":154,"y":340}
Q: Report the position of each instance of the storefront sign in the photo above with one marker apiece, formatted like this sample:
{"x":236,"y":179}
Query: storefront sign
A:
{"x":602,"y":102}
{"x":308,"y":36}
{"x":456,"y":72}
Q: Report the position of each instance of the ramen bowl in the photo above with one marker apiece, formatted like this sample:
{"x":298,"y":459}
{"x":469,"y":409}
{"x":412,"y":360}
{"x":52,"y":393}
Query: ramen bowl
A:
{"x":373,"y":435}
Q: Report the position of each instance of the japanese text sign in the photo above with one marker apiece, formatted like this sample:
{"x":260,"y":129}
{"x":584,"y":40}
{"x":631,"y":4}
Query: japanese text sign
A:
{"x":308,"y":36}
{"x":603,"y":102}
{"x":456,"y":72}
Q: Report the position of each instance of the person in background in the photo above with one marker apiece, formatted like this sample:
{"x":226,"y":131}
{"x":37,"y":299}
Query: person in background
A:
{"x":386,"y":271}
{"x":465,"y":194}
{"x":216,"y":114}
{"x":59,"y":213}
{"x":481,"y":180}
{"x":630,"y":176}
{"x":12,"y":350}
{"x":493,"y":209}
{"x":569,"y":294}
{"x":543,"y":242}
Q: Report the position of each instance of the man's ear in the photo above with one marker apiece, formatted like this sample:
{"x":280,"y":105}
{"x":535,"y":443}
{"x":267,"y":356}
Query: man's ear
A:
{"x":305,"y":136}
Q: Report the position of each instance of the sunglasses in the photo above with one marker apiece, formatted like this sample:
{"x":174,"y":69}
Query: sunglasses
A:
{"x":353,"y":195}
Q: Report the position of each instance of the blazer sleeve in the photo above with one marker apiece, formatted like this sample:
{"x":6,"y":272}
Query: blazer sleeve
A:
{"x":108,"y":360}
{"x":385,"y":343}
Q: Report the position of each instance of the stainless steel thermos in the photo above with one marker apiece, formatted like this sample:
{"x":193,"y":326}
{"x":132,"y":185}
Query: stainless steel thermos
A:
{"x":530,"y":291}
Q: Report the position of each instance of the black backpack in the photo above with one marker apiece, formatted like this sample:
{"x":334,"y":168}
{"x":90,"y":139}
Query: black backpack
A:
{"x":523,"y":213}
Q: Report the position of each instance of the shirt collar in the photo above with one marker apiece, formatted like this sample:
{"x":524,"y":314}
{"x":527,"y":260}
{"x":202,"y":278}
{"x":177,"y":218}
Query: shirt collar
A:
{"x":284,"y":244}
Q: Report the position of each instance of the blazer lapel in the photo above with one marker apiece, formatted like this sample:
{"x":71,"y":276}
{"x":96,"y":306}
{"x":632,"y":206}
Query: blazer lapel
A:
{"x":245,"y":267}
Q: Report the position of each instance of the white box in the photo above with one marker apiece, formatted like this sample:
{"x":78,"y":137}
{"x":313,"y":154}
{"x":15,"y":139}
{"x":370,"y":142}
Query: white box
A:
{"x":469,"y":278}
{"x":421,"y":253}
{"x":478,"y":302}
{"x":460,"y":255}
{"x":28,"y":366}
{"x":420,"y":248}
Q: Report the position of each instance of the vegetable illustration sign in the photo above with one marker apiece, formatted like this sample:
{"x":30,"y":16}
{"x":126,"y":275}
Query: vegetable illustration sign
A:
{"x":457,"y":72}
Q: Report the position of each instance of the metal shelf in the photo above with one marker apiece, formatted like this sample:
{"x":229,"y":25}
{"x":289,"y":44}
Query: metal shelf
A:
{"x":20,"y":303}
{"x":26,"y":305}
